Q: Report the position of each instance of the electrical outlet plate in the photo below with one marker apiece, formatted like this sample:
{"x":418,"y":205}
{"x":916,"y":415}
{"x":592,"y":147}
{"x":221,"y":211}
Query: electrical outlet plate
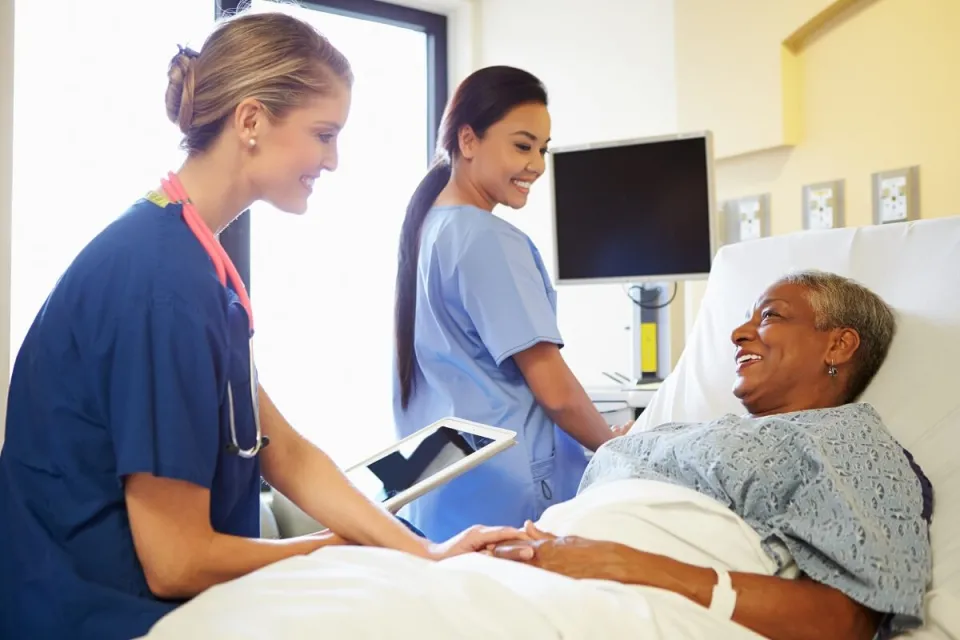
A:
{"x":746,"y":218}
{"x":896,"y":195}
{"x":823,"y":205}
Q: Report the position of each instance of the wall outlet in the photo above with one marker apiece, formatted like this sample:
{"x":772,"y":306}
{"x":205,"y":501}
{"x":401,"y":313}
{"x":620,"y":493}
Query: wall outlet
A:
{"x":896,"y":195}
{"x":746,"y":218}
{"x":823,"y":205}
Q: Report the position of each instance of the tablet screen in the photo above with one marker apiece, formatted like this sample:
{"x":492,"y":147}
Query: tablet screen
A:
{"x":411,"y":462}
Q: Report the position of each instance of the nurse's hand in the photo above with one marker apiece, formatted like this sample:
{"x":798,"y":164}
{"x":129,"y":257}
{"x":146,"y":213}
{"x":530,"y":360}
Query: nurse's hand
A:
{"x":476,"y":538}
{"x":330,"y":538}
{"x":621,"y":429}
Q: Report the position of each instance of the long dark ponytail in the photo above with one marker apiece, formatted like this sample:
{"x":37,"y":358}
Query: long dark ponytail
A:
{"x":482,"y":99}
{"x":405,"y":306}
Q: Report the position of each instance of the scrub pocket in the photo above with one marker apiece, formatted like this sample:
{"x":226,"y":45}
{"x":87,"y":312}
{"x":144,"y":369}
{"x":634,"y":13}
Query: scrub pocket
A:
{"x":544,"y":489}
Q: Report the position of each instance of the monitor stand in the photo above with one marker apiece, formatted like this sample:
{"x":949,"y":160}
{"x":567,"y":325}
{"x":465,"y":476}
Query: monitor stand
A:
{"x":650,"y":339}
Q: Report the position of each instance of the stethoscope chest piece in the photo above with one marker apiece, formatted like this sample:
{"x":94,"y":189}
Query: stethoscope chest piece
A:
{"x":261,"y":440}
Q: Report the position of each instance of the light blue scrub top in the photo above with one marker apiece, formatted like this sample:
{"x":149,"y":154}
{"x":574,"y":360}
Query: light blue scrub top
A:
{"x":483,"y":295}
{"x":123,"y":371}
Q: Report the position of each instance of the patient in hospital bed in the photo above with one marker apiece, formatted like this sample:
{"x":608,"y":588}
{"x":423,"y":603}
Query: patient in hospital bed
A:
{"x":808,"y":475}
{"x":806,"y":501}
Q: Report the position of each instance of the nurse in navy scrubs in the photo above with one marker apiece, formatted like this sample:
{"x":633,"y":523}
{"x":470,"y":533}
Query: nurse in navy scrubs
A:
{"x":137,"y":431}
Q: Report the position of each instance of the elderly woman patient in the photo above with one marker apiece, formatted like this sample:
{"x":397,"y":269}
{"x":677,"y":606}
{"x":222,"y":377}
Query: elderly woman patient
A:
{"x":838,"y":507}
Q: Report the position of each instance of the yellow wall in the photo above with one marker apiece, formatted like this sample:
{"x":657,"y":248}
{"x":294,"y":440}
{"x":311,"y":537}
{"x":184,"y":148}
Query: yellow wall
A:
{"x":872,"y":85}
{"x":730,"y":72}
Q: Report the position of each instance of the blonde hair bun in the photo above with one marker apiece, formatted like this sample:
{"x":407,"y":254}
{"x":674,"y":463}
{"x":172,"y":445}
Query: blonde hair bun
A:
{"x":274,"y":58}
{"x":181,"y":82}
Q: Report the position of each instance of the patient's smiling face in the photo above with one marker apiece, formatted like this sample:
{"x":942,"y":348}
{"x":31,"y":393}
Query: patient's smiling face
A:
{"x":782,"y":359}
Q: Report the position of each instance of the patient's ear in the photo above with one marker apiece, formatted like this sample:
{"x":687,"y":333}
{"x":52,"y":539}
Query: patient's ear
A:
{"x":844,"y":343}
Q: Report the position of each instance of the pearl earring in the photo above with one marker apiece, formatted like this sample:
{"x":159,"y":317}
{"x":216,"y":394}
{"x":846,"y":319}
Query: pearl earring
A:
{"x":252,"y":142}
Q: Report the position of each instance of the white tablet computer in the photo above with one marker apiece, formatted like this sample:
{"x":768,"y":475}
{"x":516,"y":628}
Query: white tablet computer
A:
{"x":427,"y":459}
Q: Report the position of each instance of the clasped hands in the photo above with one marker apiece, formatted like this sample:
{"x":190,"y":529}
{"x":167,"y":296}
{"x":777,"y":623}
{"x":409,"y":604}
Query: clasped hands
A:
{"x":504,"y":542}
{"x":585,"y":559}
{"x":572,"y":556}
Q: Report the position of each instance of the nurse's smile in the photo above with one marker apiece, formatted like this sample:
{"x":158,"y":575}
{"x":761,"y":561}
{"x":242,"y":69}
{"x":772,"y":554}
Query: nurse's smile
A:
{"x":307,"y":182}
{"x":476,"y":314}
{"x":136,"y":432}
{"x":523,"y":186}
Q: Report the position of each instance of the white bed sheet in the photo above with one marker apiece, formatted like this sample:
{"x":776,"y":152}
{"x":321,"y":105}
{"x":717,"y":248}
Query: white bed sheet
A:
{"x":353,"y":592}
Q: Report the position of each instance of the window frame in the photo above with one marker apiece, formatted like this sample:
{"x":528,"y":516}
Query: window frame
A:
{"x":236,"y":239}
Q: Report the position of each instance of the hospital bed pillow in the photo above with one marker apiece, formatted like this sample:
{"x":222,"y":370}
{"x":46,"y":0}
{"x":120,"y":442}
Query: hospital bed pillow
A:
{"x":915,"y":267}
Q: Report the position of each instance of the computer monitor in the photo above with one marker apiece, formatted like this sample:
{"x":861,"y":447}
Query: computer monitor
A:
{"x":634,"y":211}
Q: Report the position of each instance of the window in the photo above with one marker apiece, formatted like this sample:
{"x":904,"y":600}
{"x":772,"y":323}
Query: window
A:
{"x":91,"y":133}
{"x":323,"y":284}
{"x":91,"y":136}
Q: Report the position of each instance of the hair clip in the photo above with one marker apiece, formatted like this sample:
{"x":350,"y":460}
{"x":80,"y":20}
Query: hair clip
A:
{"x":187,"y":51}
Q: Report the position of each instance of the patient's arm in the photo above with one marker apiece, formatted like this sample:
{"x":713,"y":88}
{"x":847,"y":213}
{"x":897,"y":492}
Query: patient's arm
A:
{"x":775,"y":608}
{"x":560,"y":394}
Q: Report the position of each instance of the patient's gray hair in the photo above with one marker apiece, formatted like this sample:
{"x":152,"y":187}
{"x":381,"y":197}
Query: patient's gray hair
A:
{"x":840,"y":302}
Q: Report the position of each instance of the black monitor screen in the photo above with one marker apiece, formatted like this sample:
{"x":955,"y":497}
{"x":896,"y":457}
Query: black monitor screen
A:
{"x":637,"y":211}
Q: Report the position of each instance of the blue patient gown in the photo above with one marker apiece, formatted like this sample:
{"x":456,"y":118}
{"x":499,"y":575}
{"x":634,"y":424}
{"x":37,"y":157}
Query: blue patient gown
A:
{"x":830,"y":489}
{"x":483,"y":295}
{"x":123,"y":371}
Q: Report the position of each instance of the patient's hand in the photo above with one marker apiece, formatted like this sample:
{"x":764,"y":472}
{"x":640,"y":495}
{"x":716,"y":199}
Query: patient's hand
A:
{"x":571,"y":556}
{"x":773,"y":607}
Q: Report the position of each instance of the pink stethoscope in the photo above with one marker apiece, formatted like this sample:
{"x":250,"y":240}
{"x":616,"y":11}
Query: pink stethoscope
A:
{"x":224,"y":267}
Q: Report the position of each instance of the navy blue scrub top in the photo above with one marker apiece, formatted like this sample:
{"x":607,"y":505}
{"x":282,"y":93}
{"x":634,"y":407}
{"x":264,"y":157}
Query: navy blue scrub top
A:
{"x":124,"y":370}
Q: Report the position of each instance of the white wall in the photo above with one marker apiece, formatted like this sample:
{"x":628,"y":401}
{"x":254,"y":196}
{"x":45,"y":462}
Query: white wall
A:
{"x":461,"y":32}
{"x":6,"y":193}
{"x":609,"y":69}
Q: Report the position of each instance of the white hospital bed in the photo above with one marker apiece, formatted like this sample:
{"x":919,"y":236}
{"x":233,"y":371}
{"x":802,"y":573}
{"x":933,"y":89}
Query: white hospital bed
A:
{"x":914,"y":266}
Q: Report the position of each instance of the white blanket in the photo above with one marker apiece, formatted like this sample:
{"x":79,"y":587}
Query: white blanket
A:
{"x":354,"y":592}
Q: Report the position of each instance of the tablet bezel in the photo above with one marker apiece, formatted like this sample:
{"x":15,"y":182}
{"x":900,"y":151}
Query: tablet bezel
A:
{"x":502,"y":439}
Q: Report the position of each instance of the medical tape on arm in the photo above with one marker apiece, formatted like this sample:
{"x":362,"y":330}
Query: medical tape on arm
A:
{"x":724,"y":599}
